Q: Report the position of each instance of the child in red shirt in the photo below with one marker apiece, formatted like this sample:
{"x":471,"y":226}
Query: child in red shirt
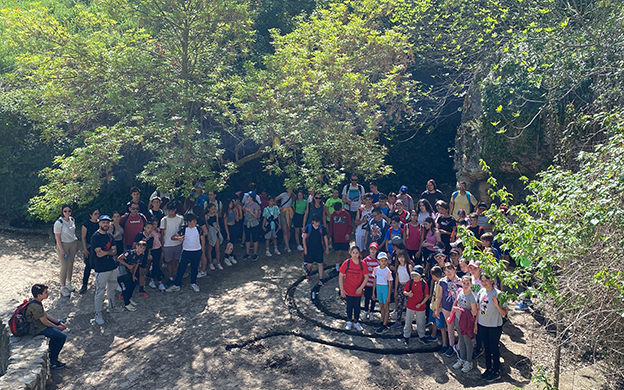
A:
{"x":352,"y":280}
{"x":417,"y":293}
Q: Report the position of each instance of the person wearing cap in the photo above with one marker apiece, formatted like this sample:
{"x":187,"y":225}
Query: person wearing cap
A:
{"x":462,"y":199}
{"x":399,"y":210}
{"x":484,"y":221}
{"x":381,"y":290}
{"x":371,"y":262}
{"x":432,"y":193}
{"x":105,"y":266}
{"x":406,"y":198}
{"x":417,"y":293}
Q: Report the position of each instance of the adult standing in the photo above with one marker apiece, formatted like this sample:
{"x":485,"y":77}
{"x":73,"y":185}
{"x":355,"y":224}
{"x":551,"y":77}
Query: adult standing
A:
{"x":432,"y":193}
{"x":352,"y":195}
{"x":408,"y":201}
{"x":66,"y":247}
{"x":286,"y":200}
{"x":252,"y":225}
{"x":105,"y":267}
{"x":133,"y":223}
{"x":88,"y":228}
{"x":46,"y":325}
{"x":462,"y":199}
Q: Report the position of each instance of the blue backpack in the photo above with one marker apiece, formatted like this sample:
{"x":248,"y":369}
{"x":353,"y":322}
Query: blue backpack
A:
{"x":467,"y":197}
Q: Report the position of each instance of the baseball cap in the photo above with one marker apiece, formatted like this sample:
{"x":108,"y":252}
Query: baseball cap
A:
{"x":482,"y":205}
{"x":104,"y":218}
{"x":418,"y":270}
{"x":473,"y":264}
{"x":252,"y":194}
{"x":382,"y":255}
{"x":374,"y":245}
{"x":403,"y":189}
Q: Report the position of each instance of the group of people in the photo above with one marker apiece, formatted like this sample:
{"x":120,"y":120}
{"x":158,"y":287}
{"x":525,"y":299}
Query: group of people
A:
{"x":406,"y":251}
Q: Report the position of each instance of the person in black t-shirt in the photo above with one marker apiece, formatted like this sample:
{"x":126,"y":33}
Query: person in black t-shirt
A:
{"x":314,"y":244}
{"x":104,"y":248}
{"x":446,"y":225}
{"x":432,"y":194}
{"x":135,"y":192}
{"x":146,"y":261}
{"x":88,"y":228}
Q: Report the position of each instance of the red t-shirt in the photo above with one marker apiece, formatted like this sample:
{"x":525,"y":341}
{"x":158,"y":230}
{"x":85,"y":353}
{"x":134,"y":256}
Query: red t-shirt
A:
{"x":354,"y":276}
{"x":340,"y":225}
{"x":132,"y":227}
{"x":418,"y":295}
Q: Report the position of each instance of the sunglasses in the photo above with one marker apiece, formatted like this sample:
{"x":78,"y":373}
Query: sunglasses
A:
{"x":133,"y":209}
{"x":316,"y":197}
{"x":354,"y":179}
{"x":67,"y":211}
{"x":145,"y":245}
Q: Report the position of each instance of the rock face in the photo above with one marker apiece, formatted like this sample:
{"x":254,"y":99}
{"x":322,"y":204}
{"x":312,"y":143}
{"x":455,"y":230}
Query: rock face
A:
{"x":5,"y":348}
{"x":469,"y":143}
{"x":28,"y":364}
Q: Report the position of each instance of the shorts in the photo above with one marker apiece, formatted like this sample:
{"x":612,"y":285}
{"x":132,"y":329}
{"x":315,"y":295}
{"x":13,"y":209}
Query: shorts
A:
{"x":270,"y":234}
{"x":382,"y":293}
{"x":341,"y":246}
{"x":440,"y":323}
{"x":252,"y":234}
{"x":313,"y":258}
{"x":298,"y":221}
{"x":172,"y":253}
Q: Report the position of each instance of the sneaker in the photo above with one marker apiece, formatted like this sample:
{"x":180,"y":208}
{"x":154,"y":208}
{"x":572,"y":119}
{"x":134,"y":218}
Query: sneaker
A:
{"x":212,"y":267}
{"x":99,"y":319}
{"x":459,"y":364}
{"x":131,"y":307}
{"x":227,"y":262}
{"x":152,"y":284}
{"x":201,"y":274}
{"x":467,"y":367}
{"x":115,"y":309}
{"x":57,"y":364}
{"x":162,"y":287}
{"x":69,"y":288}
{"x":365,"y":316}
{"x":254,"y":258}
{"x":246,"y":256}
{"x":349,"y":325}
{"x":288,"y":250}
{"x":425,"y":340}
{"x":449,"y":352}
{"x":396,"y":325}
{"x":233,"y":260}
{"x":443,"y":349}
{"x":65,"y":292}
{"x":358,"y":327}
{"x":405,"y":341}
{"x":371,"y":317}
{"x":276,"y":251}
{"x":133,"y":302}
{"x":485,"y":375}
{"x":143,"y":294}
{"x":83,"y":290}
{"x":268,"y":253}
{"x":299,"y":248}
{"x":382,"y":329}
{"x":477,"y":353}
{"x":173,"y":288}
{"x":493,"y":377}
{"x":522,"y":306}
{"x":195,"y":287}
{"x":219,"y":266}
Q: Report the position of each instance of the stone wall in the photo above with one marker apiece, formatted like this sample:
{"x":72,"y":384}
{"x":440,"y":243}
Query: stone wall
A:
{"x":28,"y":364}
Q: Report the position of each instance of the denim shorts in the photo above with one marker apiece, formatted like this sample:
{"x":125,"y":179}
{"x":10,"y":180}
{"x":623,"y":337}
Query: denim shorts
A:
{"x":439,"y":322}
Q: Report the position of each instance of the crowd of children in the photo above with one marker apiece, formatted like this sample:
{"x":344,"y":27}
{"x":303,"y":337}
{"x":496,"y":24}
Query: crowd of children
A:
{"x":406,"y":252}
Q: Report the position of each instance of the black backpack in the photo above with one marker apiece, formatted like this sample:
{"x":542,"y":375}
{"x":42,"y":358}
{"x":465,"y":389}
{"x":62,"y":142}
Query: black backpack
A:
{"x":349,"y":263}
{"x":18,"y":324}
{"x":422,"y":284}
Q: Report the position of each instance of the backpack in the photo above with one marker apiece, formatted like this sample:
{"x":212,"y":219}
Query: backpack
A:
{"x":308,"y":230}
{"x":467,"y":197}
{"x":422,"y":284}
{"x":349,"y":263}
{"x":18,"y":324}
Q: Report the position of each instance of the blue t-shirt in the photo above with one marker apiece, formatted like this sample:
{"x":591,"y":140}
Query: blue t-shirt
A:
{"x":390,"y":234}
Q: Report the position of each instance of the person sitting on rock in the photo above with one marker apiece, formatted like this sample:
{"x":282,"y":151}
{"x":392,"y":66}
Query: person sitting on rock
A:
{"x":46,"y":325}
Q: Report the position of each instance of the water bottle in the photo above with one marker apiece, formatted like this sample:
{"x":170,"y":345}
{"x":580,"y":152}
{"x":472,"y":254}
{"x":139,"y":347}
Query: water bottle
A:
{"x":313,"y":295}
{"x":66,"y":256}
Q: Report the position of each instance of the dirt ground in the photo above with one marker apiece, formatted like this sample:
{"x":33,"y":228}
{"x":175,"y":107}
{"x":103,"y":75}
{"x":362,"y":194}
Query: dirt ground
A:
{"x":179,"y":340}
